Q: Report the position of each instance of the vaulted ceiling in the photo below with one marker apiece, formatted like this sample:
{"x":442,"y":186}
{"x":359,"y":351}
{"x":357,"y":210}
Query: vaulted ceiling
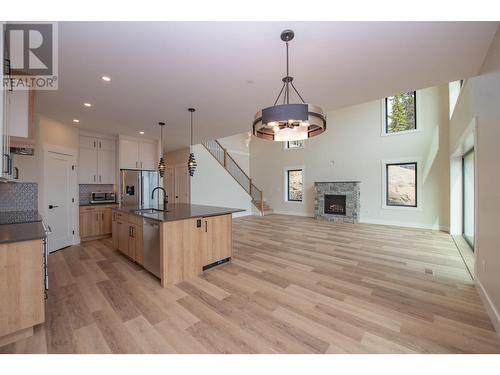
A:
{"x":229,"y":70}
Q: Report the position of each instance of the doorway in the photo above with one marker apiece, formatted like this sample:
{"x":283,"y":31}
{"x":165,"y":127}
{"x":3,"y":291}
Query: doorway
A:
{"x":468,"y":197}
{"x":59,"y":186}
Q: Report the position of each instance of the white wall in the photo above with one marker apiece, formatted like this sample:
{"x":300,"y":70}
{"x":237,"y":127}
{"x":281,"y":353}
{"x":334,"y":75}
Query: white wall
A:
{"x":480,"y":99}
{"x":47,"y":131}
{"x":212,"y":185}
{"x":353,"y":142}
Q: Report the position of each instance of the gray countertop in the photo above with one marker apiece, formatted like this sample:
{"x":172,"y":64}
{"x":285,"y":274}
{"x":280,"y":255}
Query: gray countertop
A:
{"x":178,"y":211}
{"x":21,"y":232}
{"x":98,"y":204}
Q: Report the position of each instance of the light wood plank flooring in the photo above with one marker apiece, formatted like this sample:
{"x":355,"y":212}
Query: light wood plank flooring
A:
{"x":295,"y":285}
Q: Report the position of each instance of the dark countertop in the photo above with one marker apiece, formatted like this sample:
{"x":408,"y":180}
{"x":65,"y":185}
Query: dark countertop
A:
{"x":97,"y":204}
{"x":178,"y":211}
{"x":21,"y":232}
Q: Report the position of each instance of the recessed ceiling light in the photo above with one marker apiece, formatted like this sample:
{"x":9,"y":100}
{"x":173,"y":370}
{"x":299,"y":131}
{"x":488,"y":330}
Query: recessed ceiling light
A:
{"x":76,"y":120}
{"x":141,"y":132}
{"x":87,"y":104}
{"x":106,"y":78}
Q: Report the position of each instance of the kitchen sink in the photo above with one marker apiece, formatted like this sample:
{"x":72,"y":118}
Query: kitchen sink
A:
{"x":149,"y":211}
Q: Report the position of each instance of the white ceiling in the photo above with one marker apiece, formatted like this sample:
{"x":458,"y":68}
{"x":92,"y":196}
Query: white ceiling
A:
{"x":229,"y":70}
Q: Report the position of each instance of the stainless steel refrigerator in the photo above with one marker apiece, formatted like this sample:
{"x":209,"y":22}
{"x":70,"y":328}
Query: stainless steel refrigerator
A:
{"x":136,"y":188}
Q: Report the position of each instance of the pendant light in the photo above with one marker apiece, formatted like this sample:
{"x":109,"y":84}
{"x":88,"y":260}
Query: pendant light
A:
{"x":191,"y":159}
{"x":285,"y":121}
{"x":161,"y":164}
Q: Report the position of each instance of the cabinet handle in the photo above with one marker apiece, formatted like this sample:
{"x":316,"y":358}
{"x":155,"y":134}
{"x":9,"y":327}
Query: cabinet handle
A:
{"x":99,"y":144}
{"x":94,"y":144}
{"x":100,"y":178}
{"x":6,"y":170}
{"x":94,"y":178}
{"x":206,"y":225}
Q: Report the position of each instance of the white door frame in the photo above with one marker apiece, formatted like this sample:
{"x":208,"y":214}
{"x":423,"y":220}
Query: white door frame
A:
{"x":74,"y":206}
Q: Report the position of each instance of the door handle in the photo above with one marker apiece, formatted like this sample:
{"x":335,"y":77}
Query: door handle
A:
{"x":51,"y":206}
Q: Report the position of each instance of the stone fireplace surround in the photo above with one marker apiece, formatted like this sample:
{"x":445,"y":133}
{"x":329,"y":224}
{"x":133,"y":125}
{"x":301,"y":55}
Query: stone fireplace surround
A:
{"x":351,"y":189}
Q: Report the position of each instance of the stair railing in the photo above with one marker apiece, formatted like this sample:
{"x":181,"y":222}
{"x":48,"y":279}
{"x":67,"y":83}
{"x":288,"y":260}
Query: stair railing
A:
{"x":226,"y":160}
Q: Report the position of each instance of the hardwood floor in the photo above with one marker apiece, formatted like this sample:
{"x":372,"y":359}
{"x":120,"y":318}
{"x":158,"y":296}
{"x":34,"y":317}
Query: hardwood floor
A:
{"x":295,"y":285}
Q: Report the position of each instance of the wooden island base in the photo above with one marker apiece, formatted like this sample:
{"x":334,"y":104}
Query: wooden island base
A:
{"x":187,"y":246}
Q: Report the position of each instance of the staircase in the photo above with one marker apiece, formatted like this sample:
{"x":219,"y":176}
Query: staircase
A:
{"x":225,"y":159}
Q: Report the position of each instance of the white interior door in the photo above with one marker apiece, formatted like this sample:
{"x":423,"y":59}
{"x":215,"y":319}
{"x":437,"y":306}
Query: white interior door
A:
{"x":170,"y":184}
{"x":59,"y":178}
{"x":181,"y":181}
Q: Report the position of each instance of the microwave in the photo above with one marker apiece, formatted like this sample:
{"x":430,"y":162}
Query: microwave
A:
{"x":102,"y":197}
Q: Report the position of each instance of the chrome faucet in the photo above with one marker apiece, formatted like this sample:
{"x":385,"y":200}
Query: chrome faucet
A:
{"x":165,"y":196}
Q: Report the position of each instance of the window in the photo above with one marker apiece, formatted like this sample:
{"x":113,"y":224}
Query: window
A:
{"x":294,"y":185}
{"x":294,"y":144}
{"x":468,"y":197}
{"x":401,"y":184}
{"x":401,"y":112}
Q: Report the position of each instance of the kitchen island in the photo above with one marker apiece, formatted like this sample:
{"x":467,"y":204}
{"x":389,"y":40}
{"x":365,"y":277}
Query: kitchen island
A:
{"x":174,"y":242}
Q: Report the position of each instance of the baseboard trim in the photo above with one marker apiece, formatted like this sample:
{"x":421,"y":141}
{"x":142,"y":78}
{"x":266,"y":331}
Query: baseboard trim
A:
{"x":241,"y":214}
{"x":405,"y":224}
{"x":490,"y":308}
{"x":292,"y":213}
{"x":375,"y":221}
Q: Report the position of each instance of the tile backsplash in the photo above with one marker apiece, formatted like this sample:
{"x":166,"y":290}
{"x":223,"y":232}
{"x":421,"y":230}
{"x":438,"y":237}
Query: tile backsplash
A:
{"x":18,"y":196}
{"x":86,"y":189}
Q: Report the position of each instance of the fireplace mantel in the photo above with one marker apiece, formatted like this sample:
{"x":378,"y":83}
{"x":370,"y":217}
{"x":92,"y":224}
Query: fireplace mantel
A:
{"x":350,"y":189}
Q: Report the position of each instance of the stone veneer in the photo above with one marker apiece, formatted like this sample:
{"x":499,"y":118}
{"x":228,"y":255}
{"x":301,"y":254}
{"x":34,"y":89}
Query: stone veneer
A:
{"x":351,"y":189}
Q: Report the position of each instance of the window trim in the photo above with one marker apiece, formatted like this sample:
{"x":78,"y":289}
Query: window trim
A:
{"x":467,"y":153}
{"x":385,"y":119}
{"x":286,"y":192}
{"x":418,"y":187}
{"x":286,"y":146}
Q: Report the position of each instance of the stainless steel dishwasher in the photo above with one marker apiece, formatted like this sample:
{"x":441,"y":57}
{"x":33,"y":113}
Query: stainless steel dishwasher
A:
{"x":151,"y":242}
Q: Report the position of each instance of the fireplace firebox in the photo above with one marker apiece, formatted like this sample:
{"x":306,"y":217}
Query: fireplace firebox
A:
{"x":335,"y":204}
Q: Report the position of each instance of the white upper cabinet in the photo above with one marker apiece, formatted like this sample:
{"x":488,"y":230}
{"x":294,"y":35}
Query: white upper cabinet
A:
{"x":148,"y":155}
{"x":137,"y":153}
{"x":97,"y":160}
{"x":19,"y":115}
{"x":129,"y":154}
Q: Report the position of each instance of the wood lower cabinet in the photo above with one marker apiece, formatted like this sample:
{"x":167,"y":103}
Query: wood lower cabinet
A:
{"x":89,"y":222}
{"x":186,"y":245}
{"x":127,"y":235}
{"x":217,"y":241}
{"x":105,"y":226}
{"x":181,"y":248}
{"x":95,"y":221}
{"x":21,"y":289}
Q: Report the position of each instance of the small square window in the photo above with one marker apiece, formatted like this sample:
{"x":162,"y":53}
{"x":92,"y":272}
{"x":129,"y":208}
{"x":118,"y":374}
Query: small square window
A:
{"x":401,"y":185}
{"x":294,"y":144}
{"x":401,"y":112}
{"x":294,"y":185}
